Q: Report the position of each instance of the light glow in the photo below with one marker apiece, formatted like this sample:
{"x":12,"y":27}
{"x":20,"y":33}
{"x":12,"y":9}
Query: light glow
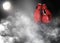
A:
{"x":7,"y":5}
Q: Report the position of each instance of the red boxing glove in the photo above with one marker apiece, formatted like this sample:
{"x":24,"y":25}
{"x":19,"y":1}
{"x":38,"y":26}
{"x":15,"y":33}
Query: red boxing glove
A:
{"x":37,"y":13}
{"x":46,"y":17}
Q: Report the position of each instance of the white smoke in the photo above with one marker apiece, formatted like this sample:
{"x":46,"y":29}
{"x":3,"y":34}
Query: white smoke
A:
{"x":24,"y":29}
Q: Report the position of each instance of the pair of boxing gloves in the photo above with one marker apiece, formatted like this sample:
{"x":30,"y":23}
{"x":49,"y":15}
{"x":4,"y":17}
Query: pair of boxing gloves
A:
{"x":42,"y":14}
